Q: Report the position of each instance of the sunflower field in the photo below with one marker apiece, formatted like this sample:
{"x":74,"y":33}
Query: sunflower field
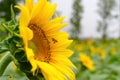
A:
{"x":100,"y":61}
{"x":33,"y":45}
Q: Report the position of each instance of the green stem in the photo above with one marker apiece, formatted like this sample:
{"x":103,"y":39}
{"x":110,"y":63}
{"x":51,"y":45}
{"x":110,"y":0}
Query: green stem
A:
{"x":6,"y":59}
{"x":10,"y":30}
{"x":7,"y":28}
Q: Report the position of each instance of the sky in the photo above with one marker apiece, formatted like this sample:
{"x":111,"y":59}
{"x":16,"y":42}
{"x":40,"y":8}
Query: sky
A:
{"x":89,"y":19}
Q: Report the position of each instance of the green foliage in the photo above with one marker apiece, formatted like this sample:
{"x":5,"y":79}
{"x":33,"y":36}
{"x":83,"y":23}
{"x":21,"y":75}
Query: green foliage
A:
{"x":13,"y":73}
{"x":5,"y":8}
{"x":107,"y":68}
{"x":12,"y":43}
{"x":76,"y":18}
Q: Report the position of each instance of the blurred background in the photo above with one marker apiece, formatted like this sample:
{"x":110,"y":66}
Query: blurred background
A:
{"x":94,"y":25}
{"x":92,"y":16}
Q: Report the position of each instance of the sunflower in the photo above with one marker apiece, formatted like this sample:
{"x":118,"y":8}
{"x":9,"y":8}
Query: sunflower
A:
{"x":87,"y":61}
{"x":45,"y":45}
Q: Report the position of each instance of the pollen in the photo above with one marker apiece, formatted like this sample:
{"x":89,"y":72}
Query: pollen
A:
{"x":40,"y":44}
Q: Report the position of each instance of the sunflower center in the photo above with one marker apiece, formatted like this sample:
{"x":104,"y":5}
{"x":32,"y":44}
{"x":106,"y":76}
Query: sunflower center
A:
{"x":39,"y":44}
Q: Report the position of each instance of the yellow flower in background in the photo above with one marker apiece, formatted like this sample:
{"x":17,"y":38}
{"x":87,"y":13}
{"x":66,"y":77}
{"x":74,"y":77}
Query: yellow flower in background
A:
{"x":92,"y":50}
{"x":101,"y":52}
{"x":87,"y":61}
{"x":113,"y":51}
{"x":45,"y":46}
{"x":98,"y":49}
{"x":79,"y":47}
{"x":90,"y":41}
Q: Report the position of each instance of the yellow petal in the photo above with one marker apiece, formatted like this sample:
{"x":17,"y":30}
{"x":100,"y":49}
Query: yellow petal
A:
{"x":64,"y":69}
{"x":54,"y":28}
{"x":29,"y":4}
{"x":63,"y":59}
{"x":62,"y":51}
{"x":24,"y":16}
{"x":26,"y":33}
{"x":49,"y":72}
{"x":62,"y":43}
{"x":30,"y":57}
{"x":37,"y":9}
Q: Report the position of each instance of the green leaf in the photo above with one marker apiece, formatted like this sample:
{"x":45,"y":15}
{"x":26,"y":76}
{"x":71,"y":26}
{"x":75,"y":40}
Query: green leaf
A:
{"x":4,"y":62}
{"x":98,"y":76}
{"x":5,"y":77}
{"x":12,"y":13}
{"x":3,"y":47}
{"x":115,"y":67}
{"x":14,"y":73}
